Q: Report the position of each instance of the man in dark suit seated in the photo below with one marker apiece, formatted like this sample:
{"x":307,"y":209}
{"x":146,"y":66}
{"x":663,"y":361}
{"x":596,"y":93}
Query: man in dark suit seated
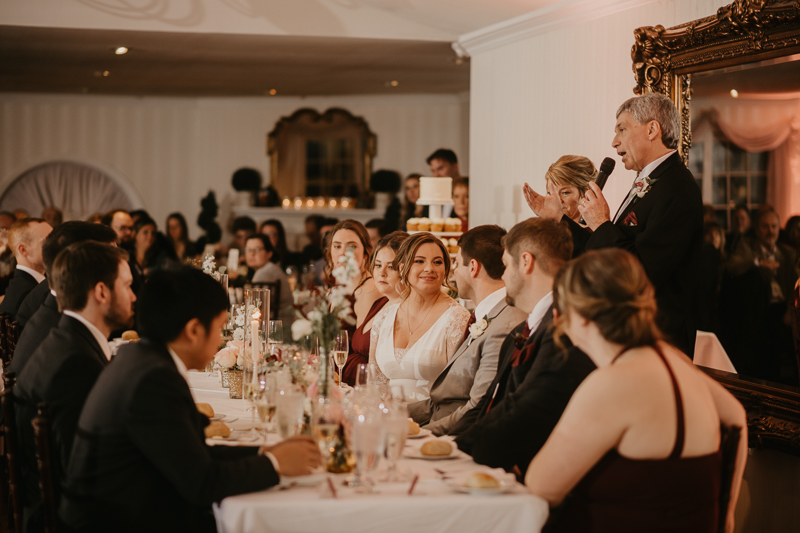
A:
{"x":93,"y":284}
{"x":535,"y":379}
{"x":25,"y":238}
{"x":40,"y":304}
{"x":140,"y":460}
{"x":661,"y":219}
{"x":478,"y":271}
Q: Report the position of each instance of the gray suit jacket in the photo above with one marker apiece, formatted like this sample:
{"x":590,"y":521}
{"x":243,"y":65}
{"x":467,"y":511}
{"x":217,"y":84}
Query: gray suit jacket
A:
{"x":463,"y":382}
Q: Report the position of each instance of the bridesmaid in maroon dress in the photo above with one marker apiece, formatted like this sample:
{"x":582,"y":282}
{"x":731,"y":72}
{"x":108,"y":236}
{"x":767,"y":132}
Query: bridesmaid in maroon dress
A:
{"x":638,"y":446}
{"x":385,"y":278}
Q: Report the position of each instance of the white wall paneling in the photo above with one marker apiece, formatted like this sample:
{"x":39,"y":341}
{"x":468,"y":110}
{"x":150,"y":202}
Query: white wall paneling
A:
{"x":172,"y":151}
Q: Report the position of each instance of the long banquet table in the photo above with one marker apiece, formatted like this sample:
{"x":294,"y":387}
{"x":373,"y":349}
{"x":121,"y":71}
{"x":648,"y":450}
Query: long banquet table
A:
{"x":435,"y":506}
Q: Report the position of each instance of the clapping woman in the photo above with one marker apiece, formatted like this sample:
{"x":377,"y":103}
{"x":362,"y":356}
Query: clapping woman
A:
{"x":638,"y":446}
{"x":412,"y":340}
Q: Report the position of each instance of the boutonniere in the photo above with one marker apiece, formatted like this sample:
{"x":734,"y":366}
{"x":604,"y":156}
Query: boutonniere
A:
{"x":643,"y":185}
{"x":520,"y":339}
{"x":477,"y":329}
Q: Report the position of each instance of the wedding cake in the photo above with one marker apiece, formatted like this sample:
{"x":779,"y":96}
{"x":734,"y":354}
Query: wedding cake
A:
{"x":435,"y":191}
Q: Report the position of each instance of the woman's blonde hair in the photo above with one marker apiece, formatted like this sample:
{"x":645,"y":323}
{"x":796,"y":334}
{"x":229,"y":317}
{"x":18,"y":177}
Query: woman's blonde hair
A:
{"x":572,"y":171}
{"x":405,"y":258}
{"x":610,"y":288}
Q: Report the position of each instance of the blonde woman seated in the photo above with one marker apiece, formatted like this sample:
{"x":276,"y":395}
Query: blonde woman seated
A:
{"x":638,"y":446}
{"x":412,"y":340}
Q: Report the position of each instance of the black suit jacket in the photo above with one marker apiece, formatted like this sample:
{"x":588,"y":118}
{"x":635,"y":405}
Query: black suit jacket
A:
{"x":43,"y":320}
{"x":668,"y":240}
{"x":140,"y":461}
{"x":18,"y":288}
{"x":61,"y":372}
{"x":32,"y":302}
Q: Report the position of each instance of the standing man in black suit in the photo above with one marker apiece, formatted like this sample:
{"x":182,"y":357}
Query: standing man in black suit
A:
{"x":25,"y":238}
{"x":93,"y":282}
{"x":661,"y":219}
{"x":140,"y":461}
{"x":40,"y":304}
{"x":535,"y":379}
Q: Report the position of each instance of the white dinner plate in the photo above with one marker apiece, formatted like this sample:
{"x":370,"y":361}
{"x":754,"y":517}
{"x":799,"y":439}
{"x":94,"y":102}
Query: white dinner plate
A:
{"x":302,"y":481}
{"x":458,"y":487}
{"x":422,"y":434}
{"x":417,"y":455}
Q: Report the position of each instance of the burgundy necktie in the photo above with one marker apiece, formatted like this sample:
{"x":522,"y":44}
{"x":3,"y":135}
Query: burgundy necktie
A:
{"x":466,"y":331}
{"x":519,"y":342}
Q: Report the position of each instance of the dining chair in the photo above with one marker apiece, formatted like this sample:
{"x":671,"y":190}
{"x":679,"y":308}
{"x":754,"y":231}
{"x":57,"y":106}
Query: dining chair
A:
{"x":4,"y":354}
{"x":12,"y":336}
{"x":44,"y":454}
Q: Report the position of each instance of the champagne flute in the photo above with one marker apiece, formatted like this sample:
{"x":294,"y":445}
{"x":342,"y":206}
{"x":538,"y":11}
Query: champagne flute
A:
{"x":265,"y":403}
{"x":340,"y":350}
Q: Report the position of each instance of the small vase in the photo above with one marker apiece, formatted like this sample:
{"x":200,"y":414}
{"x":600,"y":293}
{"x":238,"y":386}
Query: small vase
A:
{"x":223,"y":376}
{"x":235,"y":384}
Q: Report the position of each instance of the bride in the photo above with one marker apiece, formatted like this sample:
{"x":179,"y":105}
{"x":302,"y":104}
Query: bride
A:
{"x":412,"y":341}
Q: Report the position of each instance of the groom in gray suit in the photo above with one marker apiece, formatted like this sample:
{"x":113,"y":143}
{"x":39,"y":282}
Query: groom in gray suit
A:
{"x":478,"y":272}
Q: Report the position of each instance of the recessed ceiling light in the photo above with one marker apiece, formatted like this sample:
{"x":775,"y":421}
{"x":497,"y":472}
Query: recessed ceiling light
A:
{"x":121,"y":51}
{"x":394,"y":83}
{"x":734,"y":93}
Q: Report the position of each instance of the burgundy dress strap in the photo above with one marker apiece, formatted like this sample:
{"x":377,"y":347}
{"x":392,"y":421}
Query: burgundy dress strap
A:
{"x":680,"y":435}
{"x":377,"y":305}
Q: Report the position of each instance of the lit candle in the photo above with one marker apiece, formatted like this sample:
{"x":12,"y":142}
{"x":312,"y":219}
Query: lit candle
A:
{"x":254,"y":336}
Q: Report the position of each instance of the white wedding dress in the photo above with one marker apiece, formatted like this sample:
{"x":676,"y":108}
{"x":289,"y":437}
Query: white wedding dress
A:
{"x":415,"y":368}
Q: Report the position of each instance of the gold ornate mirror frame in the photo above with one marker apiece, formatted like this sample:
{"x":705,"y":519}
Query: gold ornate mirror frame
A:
{"x":742,"y":32}
{"x":664,"y":60}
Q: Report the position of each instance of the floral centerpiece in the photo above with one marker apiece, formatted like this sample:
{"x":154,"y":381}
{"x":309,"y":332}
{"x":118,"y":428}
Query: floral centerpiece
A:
{"x":210,"y":267}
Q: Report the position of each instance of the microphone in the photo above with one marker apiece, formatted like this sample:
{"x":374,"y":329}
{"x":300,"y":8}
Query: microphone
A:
{"x":606,"y":168}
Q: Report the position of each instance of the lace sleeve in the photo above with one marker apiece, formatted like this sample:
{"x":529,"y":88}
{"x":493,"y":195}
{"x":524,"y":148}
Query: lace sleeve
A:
{"x":457,"y":324}
{"x":374,"y":333}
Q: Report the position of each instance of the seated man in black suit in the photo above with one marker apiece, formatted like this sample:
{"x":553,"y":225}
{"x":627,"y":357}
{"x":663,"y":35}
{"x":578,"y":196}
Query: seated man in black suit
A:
{"x":93,"y":282}
{"x":25,"y":238}
{"x":535,"y":379}
{"x":140,"y":460}
{"x":40,"y":304}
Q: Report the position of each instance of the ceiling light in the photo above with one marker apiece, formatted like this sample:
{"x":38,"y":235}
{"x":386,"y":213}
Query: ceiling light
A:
{"x":394,"y":83}
{"x":273,"y":92}
{"x":734,"y":93}
{"x":121,"y":51}
{"x":101,"y":73}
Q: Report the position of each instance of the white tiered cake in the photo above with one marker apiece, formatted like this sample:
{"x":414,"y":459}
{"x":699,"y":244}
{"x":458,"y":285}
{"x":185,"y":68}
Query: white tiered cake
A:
{"x":435,"y":191}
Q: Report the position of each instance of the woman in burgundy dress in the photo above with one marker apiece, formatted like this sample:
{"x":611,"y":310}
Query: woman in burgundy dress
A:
{"x":385,"y":277}
{"x":638,"y":446}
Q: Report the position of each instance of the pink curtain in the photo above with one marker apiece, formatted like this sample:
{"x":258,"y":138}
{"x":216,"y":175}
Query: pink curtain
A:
{"x":768,"y":126}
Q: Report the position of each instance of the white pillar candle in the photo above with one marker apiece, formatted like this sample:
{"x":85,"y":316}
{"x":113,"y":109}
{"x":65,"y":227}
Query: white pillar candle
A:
{"x":233,"y":260}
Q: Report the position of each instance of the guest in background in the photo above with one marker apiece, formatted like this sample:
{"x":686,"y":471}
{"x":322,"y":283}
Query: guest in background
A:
{"x":385,"y":278}
{"x":273,"y":229}
{"x":351,"y":234}
{"x":712,"y":259}
{"x":376,"y":228}
{"x":709,"y":215}
{"x":93,"y":282}
{"x":535,"y":379}
{"x":41,"y":303}
{"x":790,"y":236}
{"x":478,"y":272}
{"x":321,"y":264}
{"x":120,"y":221}
{"x":444,"y":163}
{"x":178,"y":237}
{"x":640,"y":438}
{"x":410,"y":207}
{"x":313,"y":251}
{"x":147,"y":253}
{"x":137,"y":214}
{"x":7,"y":261}
{"x":53,"y":216}
{"x":461,"y":202}
{"x":742,"y":227}
{"x":6,"y":219}
{"x":260,"y":257}
{"x":25,"y":238}
{"x":242,"y":228}
{"x":140,"y":424}
{"x":96,"y":218}
{"x":413,"y":340}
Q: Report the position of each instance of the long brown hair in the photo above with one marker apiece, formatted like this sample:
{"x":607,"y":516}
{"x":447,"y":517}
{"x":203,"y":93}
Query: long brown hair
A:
{"x":405,"y":257}
{"x":363,"y":236}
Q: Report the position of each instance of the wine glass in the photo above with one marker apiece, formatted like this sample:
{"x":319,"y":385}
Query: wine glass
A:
{"x":395,"y":420}
{"x":340,"y":350}
{"x":362,"y":378}
{"x":276,"y":331}
{"x":289,"y":403}
{"x":326,"y":427}
{"x":265,"y":403}
{"x":369,"y":436}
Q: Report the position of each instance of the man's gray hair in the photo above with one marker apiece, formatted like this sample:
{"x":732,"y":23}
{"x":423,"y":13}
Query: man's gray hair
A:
{"x":658,"y":107}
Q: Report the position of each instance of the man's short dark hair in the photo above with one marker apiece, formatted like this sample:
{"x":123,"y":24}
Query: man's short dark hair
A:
{"x":244,"y":223}
{"x":108,"y":218}
{"x":548,"y":241}
{"x":71,"y":232}
{"x":78,"y":268}
{"x":173,"y":297}
{"x":378,"y":224}
{"x":483,"y":244}
{"x":264,"y":240}
{"x":444,"y":154}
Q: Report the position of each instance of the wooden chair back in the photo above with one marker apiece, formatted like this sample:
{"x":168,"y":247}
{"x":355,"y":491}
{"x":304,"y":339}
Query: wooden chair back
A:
{"x":12,"y":336}
{"x":5,"y":355}
{"x":10,"y":437}
{"x":44,"y":455}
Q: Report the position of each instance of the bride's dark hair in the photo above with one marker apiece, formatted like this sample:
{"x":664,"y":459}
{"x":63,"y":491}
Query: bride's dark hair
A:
{"x":610,"y":288}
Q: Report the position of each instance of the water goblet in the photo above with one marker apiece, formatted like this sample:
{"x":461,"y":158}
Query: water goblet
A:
{"x":289,"y":402}
{"x":395,"y":420}
{"x":369,"y":436}
{"x":362,"y":376}
{"x":265,"y":403}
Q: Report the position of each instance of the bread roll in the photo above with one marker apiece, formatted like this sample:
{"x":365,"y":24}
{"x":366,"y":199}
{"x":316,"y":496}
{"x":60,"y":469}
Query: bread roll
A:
{"x":217,"y":429}
{"x":436,"y":448}
{"x":206,"y":409}
{"x":130,"y":335}
{"x":479,"y":480}
{"x":413,"y":427}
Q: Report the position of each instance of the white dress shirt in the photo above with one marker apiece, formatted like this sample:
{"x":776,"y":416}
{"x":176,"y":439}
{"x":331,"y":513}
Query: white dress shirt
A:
{"x":181,"y":367}
{"x":646,"y":171}
{"x":96,"y":333}
{"x":36,"y":275}
{"x":488,"y":303}
{"x":539,"y":310}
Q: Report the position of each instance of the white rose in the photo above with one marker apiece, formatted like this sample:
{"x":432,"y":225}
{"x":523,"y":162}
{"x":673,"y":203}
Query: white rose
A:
{"x":477,"y":329}
{"x":301,"y":328}
{"x":315,"y":316}
{"x":225,"y":358}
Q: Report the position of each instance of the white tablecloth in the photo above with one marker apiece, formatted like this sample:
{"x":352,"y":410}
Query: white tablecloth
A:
{"x":434,"y":506}
{"x":708,"y":352}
